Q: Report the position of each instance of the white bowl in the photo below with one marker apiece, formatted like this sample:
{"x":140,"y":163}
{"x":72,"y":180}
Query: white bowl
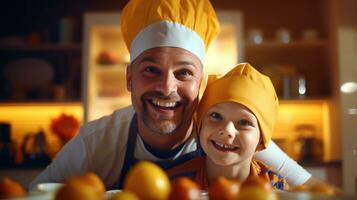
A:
{"x":110,"y":193}
{"x":49,"y":187}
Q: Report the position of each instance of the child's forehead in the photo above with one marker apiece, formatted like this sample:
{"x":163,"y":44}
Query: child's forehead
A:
{"x":230,"y":106}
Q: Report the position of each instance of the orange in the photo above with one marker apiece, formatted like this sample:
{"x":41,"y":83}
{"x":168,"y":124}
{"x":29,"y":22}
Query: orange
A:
{"x":223,"y":189}
{"x":124,"y":195}
{"x":75,"y":190}
{"x":148,"y":181}
{"x":85,"y":187}
{"x":183,"y":188}
{"x":256,"y":181}
{"x":256,"y":193}
{"x":94,"y":180}
{"x":10,"y":188}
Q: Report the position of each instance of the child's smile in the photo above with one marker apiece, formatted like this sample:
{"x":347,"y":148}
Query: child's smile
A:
{"x":224,"y":147}
{"x":229,"y":133}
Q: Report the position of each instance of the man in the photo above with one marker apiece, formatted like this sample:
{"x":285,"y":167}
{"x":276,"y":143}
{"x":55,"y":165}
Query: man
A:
{"x":167,"y":40}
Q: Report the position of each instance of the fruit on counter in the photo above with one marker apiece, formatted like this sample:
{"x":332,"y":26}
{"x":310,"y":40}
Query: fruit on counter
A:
{"x":256,"y":188}
{"x":183,"y":188}
{"x":93,"y":180}
{"x":148,"y":181}
{"x":76,"y":191}
{"x":256,"y":181}
{"x":124,"y":195}
{"x":223,"y":189}
{"x":10,"y":188}
{"x":256,"y":193}
{"x":84,"y":187}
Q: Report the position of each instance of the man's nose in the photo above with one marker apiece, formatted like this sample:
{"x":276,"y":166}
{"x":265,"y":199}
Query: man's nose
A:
{"x":168,"y":84}
{"x":228,"y":130}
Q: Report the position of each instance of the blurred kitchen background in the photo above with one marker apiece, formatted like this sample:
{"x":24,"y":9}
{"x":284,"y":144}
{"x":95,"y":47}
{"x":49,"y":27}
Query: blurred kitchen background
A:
{"x":62,"y":63}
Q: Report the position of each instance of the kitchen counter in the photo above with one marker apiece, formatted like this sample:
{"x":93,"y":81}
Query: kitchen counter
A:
{"x":328,"y":171}
{"x":21,"y":174}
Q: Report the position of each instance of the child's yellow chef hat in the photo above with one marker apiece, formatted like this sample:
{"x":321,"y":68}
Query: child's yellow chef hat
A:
{"x":187,"y":24}
{"x":244,"y":85}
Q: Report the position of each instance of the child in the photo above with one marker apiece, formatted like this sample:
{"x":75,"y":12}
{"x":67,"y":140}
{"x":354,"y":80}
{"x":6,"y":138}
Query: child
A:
{"x":236,"y":117}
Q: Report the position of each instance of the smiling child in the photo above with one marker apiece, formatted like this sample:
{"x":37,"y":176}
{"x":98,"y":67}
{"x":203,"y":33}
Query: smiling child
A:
{"x":236,"y":118}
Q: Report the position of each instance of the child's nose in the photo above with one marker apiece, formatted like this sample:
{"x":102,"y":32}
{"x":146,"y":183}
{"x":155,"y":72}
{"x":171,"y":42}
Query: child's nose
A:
{"x":228,"y":131}
{"x":226,"y":134}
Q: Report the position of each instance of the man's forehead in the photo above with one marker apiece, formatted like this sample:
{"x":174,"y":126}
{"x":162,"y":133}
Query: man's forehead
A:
{"x":174,"y":54}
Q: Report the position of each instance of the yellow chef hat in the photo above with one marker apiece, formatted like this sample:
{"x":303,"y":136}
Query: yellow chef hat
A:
{"x":187,"y":24}
{"x":244,"y":85}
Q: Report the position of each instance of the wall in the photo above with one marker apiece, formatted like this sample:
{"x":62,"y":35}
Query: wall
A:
{"x":347,"y":59}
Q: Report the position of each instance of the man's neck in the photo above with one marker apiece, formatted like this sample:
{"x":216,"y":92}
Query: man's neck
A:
{"x":238,"y":171}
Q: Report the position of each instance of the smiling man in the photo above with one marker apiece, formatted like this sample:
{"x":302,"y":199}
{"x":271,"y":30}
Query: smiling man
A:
{"x":164,"y":83}
{"x":167,"y":41}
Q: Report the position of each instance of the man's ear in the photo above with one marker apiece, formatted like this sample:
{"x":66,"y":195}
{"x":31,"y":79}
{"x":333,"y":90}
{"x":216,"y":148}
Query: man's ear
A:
{"x":128,"y":78}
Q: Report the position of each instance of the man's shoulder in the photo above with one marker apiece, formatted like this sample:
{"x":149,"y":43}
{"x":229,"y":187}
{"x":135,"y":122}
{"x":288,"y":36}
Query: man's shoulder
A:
{"x":109,"y":127}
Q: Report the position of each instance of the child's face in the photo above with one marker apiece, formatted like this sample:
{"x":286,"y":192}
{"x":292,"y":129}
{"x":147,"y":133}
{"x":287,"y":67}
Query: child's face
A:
{"x":229,"y":133}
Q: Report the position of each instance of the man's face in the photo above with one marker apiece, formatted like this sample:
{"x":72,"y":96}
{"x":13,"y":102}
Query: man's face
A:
{"x":164,"y":84}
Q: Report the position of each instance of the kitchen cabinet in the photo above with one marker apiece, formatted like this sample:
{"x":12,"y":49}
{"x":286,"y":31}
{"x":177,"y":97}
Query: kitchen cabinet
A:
{"x":292,"y":42}
{"x":41,"y":72}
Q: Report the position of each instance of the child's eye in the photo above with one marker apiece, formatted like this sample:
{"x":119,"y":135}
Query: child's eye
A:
{"x":244,"y":122}
{"x":216,"y":116}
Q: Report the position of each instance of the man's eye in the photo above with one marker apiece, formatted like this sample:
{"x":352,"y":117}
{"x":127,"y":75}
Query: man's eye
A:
{"x":151,"y":71}
{"x":216,"y":116}
{"x":184,"y":74}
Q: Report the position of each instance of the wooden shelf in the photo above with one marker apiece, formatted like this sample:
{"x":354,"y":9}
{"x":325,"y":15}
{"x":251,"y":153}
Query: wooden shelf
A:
{"x":40,"y":47}
{"x":297,"y":100}
{"x":42,"y":103}
{"x":291,"y":45}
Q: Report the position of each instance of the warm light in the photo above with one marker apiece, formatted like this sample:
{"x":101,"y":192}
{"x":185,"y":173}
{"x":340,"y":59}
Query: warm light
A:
{"x":29,"y":118}
{"x":349,"y":87}
{"x":223,"y":52}
{"x":302,"y":86}
{"x":295,"y":113}
{"x":352,"y":111}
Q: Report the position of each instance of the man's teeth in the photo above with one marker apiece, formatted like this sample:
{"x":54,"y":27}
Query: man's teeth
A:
{"x":226,"y":146}
{"x":166,"y":104}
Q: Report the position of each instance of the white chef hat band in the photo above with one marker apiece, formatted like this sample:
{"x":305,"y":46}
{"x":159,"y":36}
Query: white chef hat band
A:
{"x":167,"y":34}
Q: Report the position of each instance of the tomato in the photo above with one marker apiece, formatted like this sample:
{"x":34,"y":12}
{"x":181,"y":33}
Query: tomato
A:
{"x":184,"y":188}
{"x":223,"y":189}
{"x":10,"y":188}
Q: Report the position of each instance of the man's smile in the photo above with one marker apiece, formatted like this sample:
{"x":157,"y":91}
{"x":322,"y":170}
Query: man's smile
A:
{"x":164,"y":104}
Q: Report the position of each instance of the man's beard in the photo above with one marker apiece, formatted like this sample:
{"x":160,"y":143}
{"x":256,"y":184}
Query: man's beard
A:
{"x":164,"y":127}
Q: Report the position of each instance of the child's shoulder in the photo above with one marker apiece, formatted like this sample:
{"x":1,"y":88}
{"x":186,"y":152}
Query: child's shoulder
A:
{"x":266,"y":172}
{"x":186,"y":167}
